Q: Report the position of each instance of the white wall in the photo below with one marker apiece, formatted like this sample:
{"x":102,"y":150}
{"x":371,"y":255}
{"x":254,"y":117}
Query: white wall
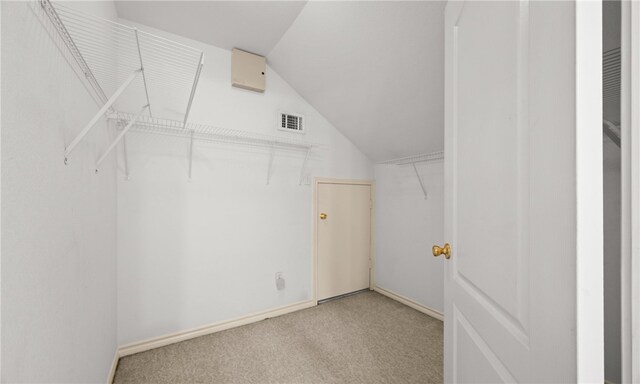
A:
{"x":407,"y":226}
{"x":58,"y":222}
{"x":200,"y":252}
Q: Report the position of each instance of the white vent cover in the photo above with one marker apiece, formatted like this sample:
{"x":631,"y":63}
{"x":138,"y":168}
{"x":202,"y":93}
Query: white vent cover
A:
{"x":291,"y":123}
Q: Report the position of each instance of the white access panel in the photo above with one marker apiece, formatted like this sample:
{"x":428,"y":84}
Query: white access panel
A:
{"x":247,"y":70}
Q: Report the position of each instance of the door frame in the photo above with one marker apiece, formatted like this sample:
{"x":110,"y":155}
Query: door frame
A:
{"x":630,"y":234}
{"x":326,"y":180}
{"x":589,"y":192}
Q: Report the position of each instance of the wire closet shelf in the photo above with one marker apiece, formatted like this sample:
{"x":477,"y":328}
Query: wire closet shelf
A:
{"x":203,"y":132}
{"x":208,"y":133}
{"x":145,"y":83}
{"x":416,"y":159}
{"x":127,"y":70}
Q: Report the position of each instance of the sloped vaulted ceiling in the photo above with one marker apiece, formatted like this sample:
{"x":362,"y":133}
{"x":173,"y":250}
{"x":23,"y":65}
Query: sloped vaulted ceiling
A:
{"x":374,"y":69}
{"x":255,"y":26}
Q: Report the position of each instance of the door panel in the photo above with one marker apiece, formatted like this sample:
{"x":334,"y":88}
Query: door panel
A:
{"x":344,"y":238}
{"x":471,"y":347}
{"x":489,"y":190}
{"x":491,"y":132}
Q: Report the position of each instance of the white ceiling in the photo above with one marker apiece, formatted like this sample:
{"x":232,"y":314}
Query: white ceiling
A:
{"x":374,"y":69}
{"x":255,"y":26}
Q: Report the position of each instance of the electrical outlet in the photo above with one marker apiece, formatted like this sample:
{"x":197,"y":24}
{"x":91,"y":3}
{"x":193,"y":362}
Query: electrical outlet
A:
{"x":279,"y":281}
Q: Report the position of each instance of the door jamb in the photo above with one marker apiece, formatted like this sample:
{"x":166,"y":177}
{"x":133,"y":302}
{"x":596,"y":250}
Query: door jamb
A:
{"x":589,"y":195}
{"x":630,"y":236}
{"x":325,"y":180}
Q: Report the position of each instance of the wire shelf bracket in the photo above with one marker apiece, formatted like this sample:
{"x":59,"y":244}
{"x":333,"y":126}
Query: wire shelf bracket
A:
{"x":424,"y":190}
{"x":190,"y":154}
{"x":126,"y":158}
{"x":144,"y":77}
{"x":100,"y":113}
{"x":270,"y":166}
{"x":304,"y":164}
{"x":416,"y":159}
{"x":120,"y":137}
{"x":193,"y":89}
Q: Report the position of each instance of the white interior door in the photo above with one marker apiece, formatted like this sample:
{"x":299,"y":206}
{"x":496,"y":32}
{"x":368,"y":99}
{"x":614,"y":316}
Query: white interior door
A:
{"x":509,"y":303}
{"x":344,"y":238}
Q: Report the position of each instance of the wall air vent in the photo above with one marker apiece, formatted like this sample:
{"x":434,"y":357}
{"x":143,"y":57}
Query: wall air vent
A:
{"x":291,"y":123}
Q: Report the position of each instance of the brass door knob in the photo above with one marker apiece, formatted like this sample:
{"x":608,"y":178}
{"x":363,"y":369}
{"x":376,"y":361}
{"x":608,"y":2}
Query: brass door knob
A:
{"x":446,"y":251}
{"x":323,"y":216}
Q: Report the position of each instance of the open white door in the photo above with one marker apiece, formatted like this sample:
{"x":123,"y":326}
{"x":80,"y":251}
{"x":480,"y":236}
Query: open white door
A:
{"x":511,"y":302}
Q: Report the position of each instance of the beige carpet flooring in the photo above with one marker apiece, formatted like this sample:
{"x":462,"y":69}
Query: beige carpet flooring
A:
{"x":363,"y":338}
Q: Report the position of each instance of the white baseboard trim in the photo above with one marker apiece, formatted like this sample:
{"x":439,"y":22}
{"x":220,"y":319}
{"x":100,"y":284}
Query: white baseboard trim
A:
{"x":406,"y":301}
{"x":176,"y":337}
{"x":114,"y":365}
